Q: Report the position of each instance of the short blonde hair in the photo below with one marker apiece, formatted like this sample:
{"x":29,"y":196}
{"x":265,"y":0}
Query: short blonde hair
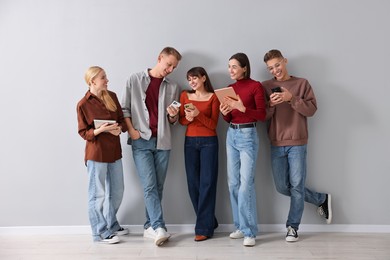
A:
{"x":171,"y":51}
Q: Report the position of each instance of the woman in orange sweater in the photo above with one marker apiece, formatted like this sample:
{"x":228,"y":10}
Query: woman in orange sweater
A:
{"x":200,"y":112}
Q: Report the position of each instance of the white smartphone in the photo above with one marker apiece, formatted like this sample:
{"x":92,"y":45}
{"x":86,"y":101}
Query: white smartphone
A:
{"x":175,"y":104}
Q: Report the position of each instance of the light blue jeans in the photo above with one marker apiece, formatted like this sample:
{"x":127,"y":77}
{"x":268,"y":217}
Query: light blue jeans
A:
{"x":152,"y":166}
{"x":105,"y":191}
{"x":289,"y":172}
{"x":242,"y":146}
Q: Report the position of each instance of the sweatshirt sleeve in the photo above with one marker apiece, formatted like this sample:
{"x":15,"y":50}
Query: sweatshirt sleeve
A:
{"x":305,"y":102}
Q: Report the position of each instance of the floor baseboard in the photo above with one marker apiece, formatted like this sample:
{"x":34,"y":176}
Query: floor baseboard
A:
{"x":187,"y":228}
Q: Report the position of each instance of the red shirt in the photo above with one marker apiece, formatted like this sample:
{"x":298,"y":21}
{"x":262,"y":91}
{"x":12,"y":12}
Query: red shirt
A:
{"x":151,"y":102}
{"x":206,"y":122}
{"x":252,"y":95}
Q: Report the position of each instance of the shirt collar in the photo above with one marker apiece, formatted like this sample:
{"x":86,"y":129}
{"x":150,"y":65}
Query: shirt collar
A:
{"x":146,"y":75}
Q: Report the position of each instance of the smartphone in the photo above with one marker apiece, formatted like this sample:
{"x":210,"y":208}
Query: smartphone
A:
{"x":276,"y":89}
{"x":176,"y":104}
{"x":189,"y":106}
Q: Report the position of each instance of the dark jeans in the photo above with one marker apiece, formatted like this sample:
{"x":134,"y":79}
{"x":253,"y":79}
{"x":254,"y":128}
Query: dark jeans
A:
{"x":201,"y":162}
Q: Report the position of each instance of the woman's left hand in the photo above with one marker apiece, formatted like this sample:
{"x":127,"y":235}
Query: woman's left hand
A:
{"x":235,"y":104}
{"x":192,"y":112}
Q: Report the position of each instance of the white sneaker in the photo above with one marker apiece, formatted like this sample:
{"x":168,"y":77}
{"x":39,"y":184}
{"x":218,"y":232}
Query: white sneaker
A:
{"x":150,"y":233}
{"x":249,"y":241}
{"x":236,"y":234}
{"x":122,"y":231}
{"x":112,"y":239}
{"x":161,"y":236}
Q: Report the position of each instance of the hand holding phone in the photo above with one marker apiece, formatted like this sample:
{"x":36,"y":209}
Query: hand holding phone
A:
{"x":189,"y":106}
{"x":173,"y":109}
{"x":276,"y":90}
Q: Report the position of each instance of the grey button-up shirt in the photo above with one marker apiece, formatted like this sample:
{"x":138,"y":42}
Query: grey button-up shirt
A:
{"x":134,"y":106}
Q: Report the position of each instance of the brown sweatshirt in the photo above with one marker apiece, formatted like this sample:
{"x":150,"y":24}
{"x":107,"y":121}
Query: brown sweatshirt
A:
{"x":287,"y":122}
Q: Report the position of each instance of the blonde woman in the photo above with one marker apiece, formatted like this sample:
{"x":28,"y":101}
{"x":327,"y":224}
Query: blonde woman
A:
{"x":103,"y":155}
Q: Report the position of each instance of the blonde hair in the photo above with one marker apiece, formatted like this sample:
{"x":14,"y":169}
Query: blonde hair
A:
{"x":108,"y":102}
{"x":171,"y":51}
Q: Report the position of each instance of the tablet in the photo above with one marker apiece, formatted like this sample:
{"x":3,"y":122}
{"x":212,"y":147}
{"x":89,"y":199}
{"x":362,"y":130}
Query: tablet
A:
{"x":99,"y":122}
{"x":225,"y":92}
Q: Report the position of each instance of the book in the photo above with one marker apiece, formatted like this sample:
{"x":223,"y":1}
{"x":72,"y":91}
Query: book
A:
{"x":225,"y":92}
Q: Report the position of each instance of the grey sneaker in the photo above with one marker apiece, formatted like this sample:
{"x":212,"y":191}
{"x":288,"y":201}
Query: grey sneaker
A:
{"x":236,"y":234}
{"x":325,"y":209}
{"x":150,"y":233}
{"x":292,"y":234}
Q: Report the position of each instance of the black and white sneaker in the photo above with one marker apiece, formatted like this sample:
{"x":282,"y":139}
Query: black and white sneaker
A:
{"x":292,"y":234}
{"x":111,"y":239}
{"x":122,"y":231}
{"x":325,"y":209}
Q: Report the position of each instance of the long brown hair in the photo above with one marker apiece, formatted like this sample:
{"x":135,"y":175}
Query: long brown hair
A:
{"x":108,"y":102}
{"x":200,"y":72}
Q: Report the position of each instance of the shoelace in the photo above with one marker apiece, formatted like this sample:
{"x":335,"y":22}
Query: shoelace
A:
{"x":291,"y":232}
{"x":320,"y":211}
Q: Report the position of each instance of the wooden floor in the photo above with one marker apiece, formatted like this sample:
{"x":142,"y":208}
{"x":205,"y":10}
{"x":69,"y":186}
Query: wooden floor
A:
{"x":181,"y":246}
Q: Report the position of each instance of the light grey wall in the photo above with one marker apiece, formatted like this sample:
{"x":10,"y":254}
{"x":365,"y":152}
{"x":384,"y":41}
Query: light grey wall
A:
{"x":342,"y":47}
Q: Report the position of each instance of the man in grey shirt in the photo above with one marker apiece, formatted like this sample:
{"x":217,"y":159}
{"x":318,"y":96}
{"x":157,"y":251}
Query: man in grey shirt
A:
{"x":148,"y":112}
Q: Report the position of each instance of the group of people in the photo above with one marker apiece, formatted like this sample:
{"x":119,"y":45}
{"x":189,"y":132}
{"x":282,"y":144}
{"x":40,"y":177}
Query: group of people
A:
{"x":147,"y":111}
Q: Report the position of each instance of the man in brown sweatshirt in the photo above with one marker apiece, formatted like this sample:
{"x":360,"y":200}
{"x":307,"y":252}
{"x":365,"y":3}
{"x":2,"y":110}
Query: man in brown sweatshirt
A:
{"x":290,"y":101}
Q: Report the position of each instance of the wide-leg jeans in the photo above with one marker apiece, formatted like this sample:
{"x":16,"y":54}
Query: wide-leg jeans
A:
{"x":201,"y":163}
{"x":105,"y":189}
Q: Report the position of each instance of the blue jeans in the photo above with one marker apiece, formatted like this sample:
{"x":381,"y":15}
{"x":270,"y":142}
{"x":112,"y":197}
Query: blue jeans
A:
{"x":152,"y":166}
{"x":201,"y":162}
{"x":289,"y":172}
{"x":242,"y":146}
{"x":105,"y":183}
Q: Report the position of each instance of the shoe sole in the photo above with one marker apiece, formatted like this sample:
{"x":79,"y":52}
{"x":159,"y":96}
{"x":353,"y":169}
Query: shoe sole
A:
{"x":291,"y":239}
{"x":161,"y":241}
{"x":111,"y":241}
{"x":329,"y":220}
{"x":236,"y":236}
